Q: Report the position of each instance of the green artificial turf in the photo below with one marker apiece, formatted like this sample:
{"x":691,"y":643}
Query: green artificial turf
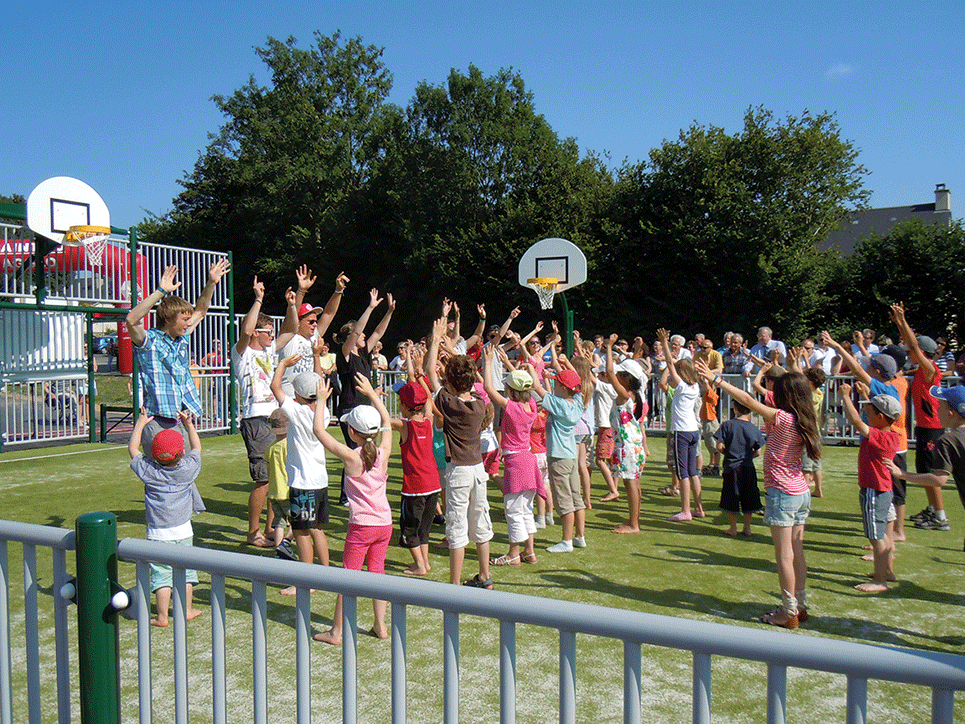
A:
{"x":689,"y":570}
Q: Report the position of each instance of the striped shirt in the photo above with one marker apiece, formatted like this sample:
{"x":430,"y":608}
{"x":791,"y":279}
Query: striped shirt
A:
{"x":166,"y":375}
{"x":782,"y":455}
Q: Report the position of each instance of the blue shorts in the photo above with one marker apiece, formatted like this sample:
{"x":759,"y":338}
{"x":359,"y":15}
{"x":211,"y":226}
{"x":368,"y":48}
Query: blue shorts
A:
{"x":874,"y":512}
{"x":163,"y":577}
{"x":307,"y":509}
{"x":783,"y":510}
{"x":685,"y":454}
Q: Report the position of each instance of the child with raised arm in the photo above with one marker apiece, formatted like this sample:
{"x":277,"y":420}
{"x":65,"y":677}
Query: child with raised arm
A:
{"x":461,"y":413}
{"x":522,"y":480}
{"x":878,"y":444}
{"x":740,"y":441}
{"x":791,"y":428}
{"x":420,"y":476}
{"x":682,"y":377}
{"x":163,"y":352}
{"x":628,"y":452}
{"x":305,"y":464}
{"x":366,"y":473}
{"x":170,"y":498}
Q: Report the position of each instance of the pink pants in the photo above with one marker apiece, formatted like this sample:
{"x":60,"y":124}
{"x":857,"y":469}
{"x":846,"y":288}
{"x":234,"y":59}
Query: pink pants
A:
{"x":366,"y":542}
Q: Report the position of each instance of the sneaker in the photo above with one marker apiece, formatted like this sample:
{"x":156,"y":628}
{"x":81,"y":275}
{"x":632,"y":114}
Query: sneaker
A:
{"x":681,"y":516}
{"x":925,"y":514}
{"x":549,"y":519}
{"x":564,"y":546}
{"x":933,"y":523}
{"x":705,"y":471}
{"x":440,"y":519}
{"x":579,"y":542}
{"x":715,"y":470}
{"x":477,"y":582}
{"x":540,"y":521}
{"x":285,"y":551}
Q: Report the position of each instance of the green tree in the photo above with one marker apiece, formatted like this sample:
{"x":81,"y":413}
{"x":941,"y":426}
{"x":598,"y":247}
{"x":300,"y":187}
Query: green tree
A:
{"x":718,"y":231}
{"x":918,"y":264}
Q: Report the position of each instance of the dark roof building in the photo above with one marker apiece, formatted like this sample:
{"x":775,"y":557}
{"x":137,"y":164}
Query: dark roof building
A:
{"x":859,"y":224}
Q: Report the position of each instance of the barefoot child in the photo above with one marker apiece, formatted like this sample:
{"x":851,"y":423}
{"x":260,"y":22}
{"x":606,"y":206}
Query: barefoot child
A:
{"x":628,"y":451}
{"x":170,"y":497}
{"x":366,"y":473}
{"x":878,"y":443}
{"x":305,"y":464}
{"x":420,"y":476}
{"x":522,"y":479}
{"x":740,"y":441}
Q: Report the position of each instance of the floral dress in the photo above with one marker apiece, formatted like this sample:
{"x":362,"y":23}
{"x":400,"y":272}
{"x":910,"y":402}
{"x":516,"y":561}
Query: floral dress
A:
{"x":628,"y":457}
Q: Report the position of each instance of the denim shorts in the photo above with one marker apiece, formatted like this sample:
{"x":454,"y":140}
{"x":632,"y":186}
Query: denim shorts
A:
{"x":163,"y":577}
{"x":783,"y":510}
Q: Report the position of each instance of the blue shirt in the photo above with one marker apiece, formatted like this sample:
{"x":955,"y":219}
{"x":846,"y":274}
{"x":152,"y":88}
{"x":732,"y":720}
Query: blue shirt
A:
{"x":166,"y":375}
{"x":563,"y":416}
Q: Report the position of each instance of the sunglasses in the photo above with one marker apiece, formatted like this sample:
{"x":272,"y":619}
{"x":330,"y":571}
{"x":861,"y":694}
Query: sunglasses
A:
{"x":310,"y":321}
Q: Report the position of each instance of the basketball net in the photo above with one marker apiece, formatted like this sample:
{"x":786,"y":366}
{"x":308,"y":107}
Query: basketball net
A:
{"x":92,"y":238}
{"x":545,"y":288}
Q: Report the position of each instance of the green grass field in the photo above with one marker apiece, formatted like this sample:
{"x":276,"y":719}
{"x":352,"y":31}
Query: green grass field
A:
{"x":688,"y":570}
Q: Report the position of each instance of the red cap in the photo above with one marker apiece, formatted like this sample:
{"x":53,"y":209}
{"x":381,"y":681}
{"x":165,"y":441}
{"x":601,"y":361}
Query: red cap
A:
{"x":167,"y":445}
{"x":307,"y":308}
{"x":569,"y":379}
{"x":413,"y":395}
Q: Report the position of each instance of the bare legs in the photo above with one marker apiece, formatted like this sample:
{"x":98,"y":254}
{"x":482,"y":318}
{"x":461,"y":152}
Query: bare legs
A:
{"x":304,"y":542}
{"x":632,"y":486}
{"x":163,"y":596}
{"x":256,"y":503}
{"x":792,"y":567}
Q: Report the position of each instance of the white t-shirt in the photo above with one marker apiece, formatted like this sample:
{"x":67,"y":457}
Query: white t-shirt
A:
{"x":304,"y":347}
{"x":254,"y":370}
{"x":306,"y":456}
{"x":604,"y":396}
{"x":686,"y":402}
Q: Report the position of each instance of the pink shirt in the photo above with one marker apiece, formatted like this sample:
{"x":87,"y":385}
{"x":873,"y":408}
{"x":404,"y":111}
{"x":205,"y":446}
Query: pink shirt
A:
{"x":367,"y":502}
{"x":517,"y":425}
{"x":782,"y":455}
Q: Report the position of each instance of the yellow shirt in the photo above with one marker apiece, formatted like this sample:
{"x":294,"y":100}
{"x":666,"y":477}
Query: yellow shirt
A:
{"x":275,"y":456}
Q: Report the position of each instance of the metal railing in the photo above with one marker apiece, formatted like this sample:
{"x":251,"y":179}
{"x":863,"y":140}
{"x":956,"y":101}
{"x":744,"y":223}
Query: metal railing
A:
{"x":943,"y":674}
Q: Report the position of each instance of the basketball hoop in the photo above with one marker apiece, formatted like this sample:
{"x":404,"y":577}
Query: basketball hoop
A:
{"x":545,"y":288}
{"x":92,"y":238}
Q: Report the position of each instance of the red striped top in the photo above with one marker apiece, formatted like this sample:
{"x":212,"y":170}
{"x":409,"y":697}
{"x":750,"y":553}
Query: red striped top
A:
{"x":782,"y":455}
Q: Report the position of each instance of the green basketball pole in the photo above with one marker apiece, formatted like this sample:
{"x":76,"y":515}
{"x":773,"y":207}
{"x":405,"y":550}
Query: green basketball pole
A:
{"x":567,"y":326}
{"x":98,"y":643}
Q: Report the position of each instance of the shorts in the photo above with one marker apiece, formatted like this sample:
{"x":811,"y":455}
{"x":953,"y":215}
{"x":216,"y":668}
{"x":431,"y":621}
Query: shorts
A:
{"x":707,"y":430}
{"x":685,"y":454}
{"x":307,"y":509}
{"x":367,"y":543}
{"x":279,"y":509}
{"x":671,"y":458}
{"x":491,"y":462}
{"x":257,"y":436}
{"x":809,"y":465}
{"x":415,"y":519}
{"x":544,"y":469}
{"x":604,"y":443}
{"x":467,"y":505}
{"x":519,"y":515}
{"x":898,"y":486}
{"x":163,"y":576}
{"x":783,"y":510}
{"x":875,"y":505}
{"x":584,"y":439}
{"x":925,"y":439}
{"x":565,"y":483}
{"x":739,"y":492}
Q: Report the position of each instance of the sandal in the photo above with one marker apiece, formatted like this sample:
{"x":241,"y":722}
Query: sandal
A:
{"x":773,"y":618}
{"x":667,"y":491}
{"x":529,"y":558}
{"x":477,"y":582}
{"x":504,"y":561}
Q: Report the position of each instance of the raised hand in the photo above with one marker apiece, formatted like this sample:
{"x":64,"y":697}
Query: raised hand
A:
{"x":374,"y":299}
{"x":168,"y":283}
{"x":341,"y":281}
{"x":218,"y":270}
{"x":305,"y":278}
{"x":391,"y":302}
{"x":259,"y":289}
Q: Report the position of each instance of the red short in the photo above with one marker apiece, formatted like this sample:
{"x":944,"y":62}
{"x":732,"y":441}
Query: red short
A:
{"x":366,"y":543}
{"x":491,"y":462}
{"x":604,"y":444}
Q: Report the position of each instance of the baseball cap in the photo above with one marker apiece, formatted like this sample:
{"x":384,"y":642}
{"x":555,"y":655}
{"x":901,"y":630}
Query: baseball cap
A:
{"x":569,"y":379}
{"x":886,"y":405}
{"x":896,"y":353}
{"x":885,"y":364}
{"x":307,"y":308}
{"x":954,"y":396}
{"x":927,"y":344}
{"x":413,"y":395}
{"x":632,"y":368}
{"x":519,"y":380}
{"x":167,"y":445}
{"x":305,"y":385}
{"x":364,"y":419}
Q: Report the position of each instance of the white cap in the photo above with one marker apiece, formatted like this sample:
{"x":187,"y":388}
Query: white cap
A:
{"x":632,"y":368}
{"x":305,"y":385}
{"x":364,"y":419}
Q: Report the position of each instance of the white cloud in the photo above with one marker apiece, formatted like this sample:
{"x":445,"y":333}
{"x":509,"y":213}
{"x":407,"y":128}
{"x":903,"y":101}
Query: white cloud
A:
{"x":839,"y":71}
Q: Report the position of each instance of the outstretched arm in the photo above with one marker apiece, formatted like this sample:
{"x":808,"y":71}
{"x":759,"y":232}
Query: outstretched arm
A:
{"x":926,"y":363}
{"x":250,"y":322}
{"x":432,"y":361}
{"x":135,"y":318}
{"x":664,"y":336}
{"x":134,"y":444}
{"x":477,"y":335}
{"x":328,"y":314}
{"x":489,"y":353}
{"x":383,"y":325}
{"x":746,"y":399}
{"x":623,"y":394}
{"x":854,"y":417}
{"x":276,"y":388}
{"x":187,"y":419}
{"x":215,"y":274}
{"x":859,"y":372}
{"x":359,"y":328}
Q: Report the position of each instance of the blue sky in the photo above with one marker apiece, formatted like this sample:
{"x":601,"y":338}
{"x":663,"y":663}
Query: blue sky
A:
{"x":130,"y":112}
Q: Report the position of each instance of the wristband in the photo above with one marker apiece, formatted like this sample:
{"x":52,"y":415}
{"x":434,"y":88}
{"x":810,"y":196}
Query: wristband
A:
{"x":717,"y":382}
{"x":339,"y":291}
{"x":163,"y":292}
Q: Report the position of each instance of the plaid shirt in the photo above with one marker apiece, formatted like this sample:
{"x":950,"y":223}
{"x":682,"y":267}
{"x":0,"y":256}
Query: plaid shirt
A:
{"x":734,"y":362}
{"x":166,"y":375}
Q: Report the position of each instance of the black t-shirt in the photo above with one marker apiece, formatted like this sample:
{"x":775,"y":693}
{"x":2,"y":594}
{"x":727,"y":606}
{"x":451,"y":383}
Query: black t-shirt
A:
{"x":949,"y":458}
{"x":346,"y":369}
{"x":741,"y":439}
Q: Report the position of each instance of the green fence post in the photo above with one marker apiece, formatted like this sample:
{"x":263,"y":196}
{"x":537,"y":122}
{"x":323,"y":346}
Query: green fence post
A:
{"x":98,"y":643}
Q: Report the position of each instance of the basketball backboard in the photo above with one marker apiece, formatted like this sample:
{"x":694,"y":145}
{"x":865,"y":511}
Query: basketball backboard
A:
{"x":553,"y":258}
{"x":61,"y":202}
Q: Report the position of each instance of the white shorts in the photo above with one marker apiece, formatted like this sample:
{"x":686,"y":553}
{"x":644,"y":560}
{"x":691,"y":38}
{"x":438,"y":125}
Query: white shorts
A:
{"x":543,"y":469}
{"x":519,"y":515}
{"x":467,"y":507}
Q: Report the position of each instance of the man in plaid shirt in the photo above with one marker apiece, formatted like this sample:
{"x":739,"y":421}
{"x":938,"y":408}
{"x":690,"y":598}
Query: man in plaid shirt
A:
{"x":163,"y":353}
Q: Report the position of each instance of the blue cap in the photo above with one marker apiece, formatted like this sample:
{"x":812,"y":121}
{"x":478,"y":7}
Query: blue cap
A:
{"x":954,"y":396}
